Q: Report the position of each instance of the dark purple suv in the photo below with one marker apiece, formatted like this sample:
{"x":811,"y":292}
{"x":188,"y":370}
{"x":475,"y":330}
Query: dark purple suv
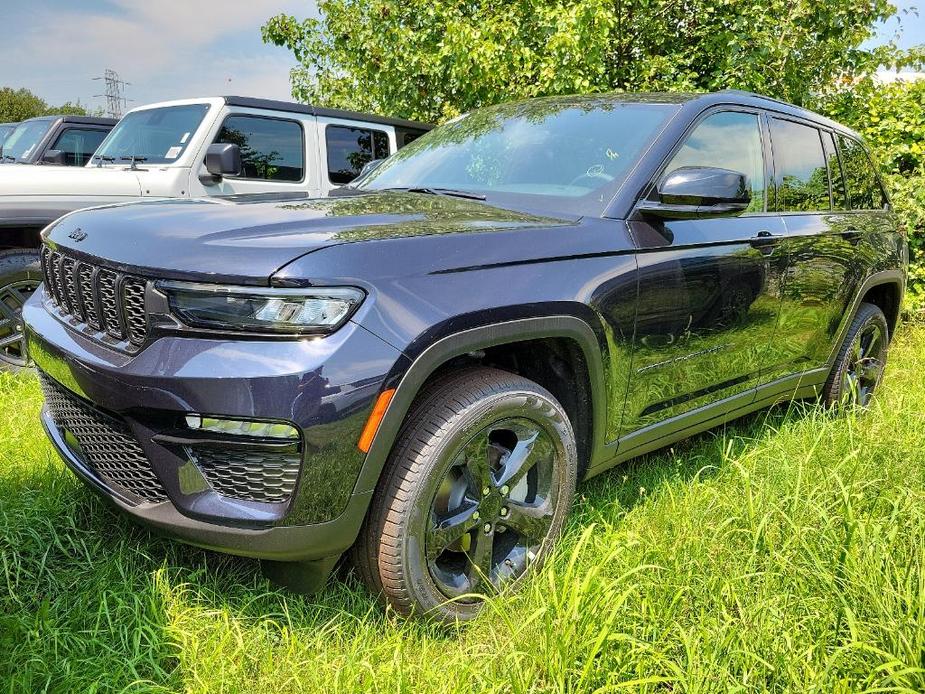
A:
{"x":421,"y":367}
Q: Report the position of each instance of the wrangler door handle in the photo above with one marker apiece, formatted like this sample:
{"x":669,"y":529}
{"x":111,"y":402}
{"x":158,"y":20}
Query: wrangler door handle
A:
{"x":764,"y":234}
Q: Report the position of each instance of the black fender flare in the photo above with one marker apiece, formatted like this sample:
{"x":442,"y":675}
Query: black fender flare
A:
{"x":474,"y":339}
{"x":896,"y":277}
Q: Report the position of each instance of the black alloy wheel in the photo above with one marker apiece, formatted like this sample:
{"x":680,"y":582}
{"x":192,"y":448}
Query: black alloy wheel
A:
{"x":860,"y":362}
{"x":473,"y":495}
{"x":13,"y":296}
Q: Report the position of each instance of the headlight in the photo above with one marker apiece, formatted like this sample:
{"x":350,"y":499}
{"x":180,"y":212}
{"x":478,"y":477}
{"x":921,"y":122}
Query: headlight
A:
{"x":256,"y":309}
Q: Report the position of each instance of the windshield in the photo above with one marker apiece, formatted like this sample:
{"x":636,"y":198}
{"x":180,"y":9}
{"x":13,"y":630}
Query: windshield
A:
{"x":556,"y":154}
{"x":22,"y":142}
{"x":156,"y":135}
{"x":4,"y":131}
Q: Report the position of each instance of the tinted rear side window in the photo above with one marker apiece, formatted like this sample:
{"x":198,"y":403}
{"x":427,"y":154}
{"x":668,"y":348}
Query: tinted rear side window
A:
{"x":271,"y":149}
{"x":78,"y":145}
{"x":801,"y":175}
{"x":863,"y":187}
{"x":839,"y":193}
{"x":728,"y":140}
{"x":349,"y":149}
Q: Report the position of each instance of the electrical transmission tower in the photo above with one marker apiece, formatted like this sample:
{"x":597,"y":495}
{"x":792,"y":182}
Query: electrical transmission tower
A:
{"x":115,"y":100}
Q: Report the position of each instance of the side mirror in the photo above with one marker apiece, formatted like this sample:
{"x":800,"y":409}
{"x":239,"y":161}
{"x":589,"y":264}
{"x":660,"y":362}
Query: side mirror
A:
{"x":700,"y":191}
{"x":55,"y":157}
{"x":222,"y":159}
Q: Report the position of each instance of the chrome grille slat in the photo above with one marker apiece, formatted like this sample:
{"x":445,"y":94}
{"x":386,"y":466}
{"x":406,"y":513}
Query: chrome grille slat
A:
{"x":104,"y":300}
{"x":106,"y":444}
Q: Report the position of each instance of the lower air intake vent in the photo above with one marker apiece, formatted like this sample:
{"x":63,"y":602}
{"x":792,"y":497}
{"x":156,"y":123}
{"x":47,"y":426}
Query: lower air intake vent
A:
{"x":249,"y":475}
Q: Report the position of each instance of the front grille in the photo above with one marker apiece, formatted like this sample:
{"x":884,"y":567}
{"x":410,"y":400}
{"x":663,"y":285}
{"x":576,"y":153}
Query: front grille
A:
{"x":249,"y":475}
{"x":106,"y":301}
{"x":107,"y":446}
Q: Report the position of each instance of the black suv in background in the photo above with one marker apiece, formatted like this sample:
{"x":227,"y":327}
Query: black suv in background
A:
{"x":423,"y":367}
{"x":60,"y":140}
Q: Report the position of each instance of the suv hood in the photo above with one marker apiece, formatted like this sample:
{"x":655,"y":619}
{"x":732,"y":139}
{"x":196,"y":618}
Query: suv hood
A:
{"x":19,"y":180}
{"x":248,"y":238}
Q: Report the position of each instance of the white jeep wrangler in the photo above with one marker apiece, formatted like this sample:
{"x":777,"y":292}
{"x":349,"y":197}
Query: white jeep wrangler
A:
{"x":192,"y":148}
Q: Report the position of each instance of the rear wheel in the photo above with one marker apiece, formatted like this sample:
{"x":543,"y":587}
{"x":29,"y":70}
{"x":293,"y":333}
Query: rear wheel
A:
{"x":474,"y":494}
{"x":860,"y":361}
{"x":20,"y":276}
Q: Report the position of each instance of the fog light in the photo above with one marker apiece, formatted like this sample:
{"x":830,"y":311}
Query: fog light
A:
{"x":242,"y":427}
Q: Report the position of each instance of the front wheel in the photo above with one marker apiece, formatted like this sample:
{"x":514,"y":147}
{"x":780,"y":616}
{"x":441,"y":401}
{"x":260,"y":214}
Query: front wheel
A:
{"x":860,"y":361}
{"x":473,"y":495}
{"x":20,"y":276}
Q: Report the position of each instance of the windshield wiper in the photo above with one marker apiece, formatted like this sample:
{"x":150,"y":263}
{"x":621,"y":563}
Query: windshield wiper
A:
{"x":134,"y":159}
{"x":448,"y":191}
{"x":100,"y":158}
{"x":9,"y":156}
{"x":426,"y":190}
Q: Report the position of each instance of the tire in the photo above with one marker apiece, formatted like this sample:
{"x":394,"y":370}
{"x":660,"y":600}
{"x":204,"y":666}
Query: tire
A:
{"x":860,"y":361}
{"x":20,"y":276}
{"x":466,"y":435}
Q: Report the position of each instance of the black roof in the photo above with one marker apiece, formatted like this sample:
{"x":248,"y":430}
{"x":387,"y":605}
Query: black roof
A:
{"x":292,"y":107}
{"x":80,"y":120}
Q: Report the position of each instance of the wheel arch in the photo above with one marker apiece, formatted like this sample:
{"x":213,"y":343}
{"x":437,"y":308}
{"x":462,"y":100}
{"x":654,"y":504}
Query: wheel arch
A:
{"x":883,"y":289}
{"x":442,"y":352}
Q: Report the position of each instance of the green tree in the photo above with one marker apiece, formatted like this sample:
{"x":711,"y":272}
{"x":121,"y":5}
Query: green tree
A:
{"x":20,"y":104}
{"x":431,"y":59}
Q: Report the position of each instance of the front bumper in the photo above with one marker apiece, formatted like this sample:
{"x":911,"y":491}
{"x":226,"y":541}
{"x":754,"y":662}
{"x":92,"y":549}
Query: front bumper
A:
{"x":324,"y":387}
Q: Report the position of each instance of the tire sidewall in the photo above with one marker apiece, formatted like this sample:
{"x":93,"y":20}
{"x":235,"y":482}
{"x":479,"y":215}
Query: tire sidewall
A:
{"x":18,"y":265}
{"x":867,"y":314}
{"x":544,"y":412}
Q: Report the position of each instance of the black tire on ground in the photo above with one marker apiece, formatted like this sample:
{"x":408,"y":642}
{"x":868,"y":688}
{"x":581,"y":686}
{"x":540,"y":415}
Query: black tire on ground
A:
{"x":859,"y":365}
{"x":466,"y":435}
{"x":20,"y":275}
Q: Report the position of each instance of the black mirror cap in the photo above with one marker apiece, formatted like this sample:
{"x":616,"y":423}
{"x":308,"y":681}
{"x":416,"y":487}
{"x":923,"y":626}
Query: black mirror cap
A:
{"x":223,"y":159}
{"x":54,"y":156}
{"x":704,"y":185}
{"x":699,"y":191}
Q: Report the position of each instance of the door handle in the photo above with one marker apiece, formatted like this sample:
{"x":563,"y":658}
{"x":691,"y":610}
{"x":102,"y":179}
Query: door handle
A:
{"x":765,"y":234}
{"x":852,"y":236}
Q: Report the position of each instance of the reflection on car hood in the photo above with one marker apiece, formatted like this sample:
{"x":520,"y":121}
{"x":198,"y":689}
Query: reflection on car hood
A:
{"x":253,"y":236}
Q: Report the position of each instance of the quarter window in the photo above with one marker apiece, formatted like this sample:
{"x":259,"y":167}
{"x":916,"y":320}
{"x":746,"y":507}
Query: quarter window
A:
{"x":801,"y":174}
{"x":728,"y":140}
{"x":350,"y":149}
{"x":271,"y":149}
{"x":78,"y":145}
{"x":839,"y":194}
{"x":864,"y":188}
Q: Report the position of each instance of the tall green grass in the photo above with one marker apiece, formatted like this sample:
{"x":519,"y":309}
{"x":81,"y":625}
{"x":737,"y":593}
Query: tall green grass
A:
{"x":784,"y":552}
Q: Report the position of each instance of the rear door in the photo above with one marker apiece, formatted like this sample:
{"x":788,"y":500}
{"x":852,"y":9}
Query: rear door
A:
{"x":709,"y":289}
{"x":347,"y":146}
{"x":821,"y":243}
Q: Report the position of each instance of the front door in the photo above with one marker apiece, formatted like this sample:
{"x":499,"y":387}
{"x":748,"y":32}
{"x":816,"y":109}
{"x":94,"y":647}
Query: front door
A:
{"x":709,"y":289}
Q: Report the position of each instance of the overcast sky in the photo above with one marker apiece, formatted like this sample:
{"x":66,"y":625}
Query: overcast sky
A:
{"x":171,"y":49}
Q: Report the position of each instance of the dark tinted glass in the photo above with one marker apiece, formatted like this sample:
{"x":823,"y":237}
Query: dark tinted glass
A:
{"x":799,"y":164}
{"x":350,"y":149}
{"x":271,"y":150}
{"x":78,"y":145}
{"x":160,"y":135}
{"x":727,"y":140}
{"x":863,"y":188}
{"x":839,"y":194}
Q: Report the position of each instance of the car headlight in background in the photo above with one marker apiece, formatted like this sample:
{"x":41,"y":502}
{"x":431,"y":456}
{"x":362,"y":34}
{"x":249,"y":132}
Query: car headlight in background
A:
{"x":266,"y":310}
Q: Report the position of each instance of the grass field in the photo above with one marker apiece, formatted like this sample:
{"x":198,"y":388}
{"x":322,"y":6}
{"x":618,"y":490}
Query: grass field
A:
{"x":784,"y":552}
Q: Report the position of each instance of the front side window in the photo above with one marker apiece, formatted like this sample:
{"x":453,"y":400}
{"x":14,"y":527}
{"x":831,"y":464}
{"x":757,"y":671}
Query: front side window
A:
{"x":271,"y":149}
{"x":5,"y":131}
{"x":22,"y":142}
{"x":863,"y":187}
{"x":728,"y":140}
{"x":154,"y":135}
{"x":559,"y":154}
{"x":350,"y":149}
{"x":800,"y":170}
{"x":78,"y":145}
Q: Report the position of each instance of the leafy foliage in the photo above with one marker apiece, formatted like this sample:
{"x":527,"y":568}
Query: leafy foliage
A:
{"x":19,"y":104}
{"x":431,"y":60}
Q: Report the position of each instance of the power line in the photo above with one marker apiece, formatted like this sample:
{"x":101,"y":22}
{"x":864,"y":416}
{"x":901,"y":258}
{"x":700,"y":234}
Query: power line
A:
{"x":115,"y":99}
